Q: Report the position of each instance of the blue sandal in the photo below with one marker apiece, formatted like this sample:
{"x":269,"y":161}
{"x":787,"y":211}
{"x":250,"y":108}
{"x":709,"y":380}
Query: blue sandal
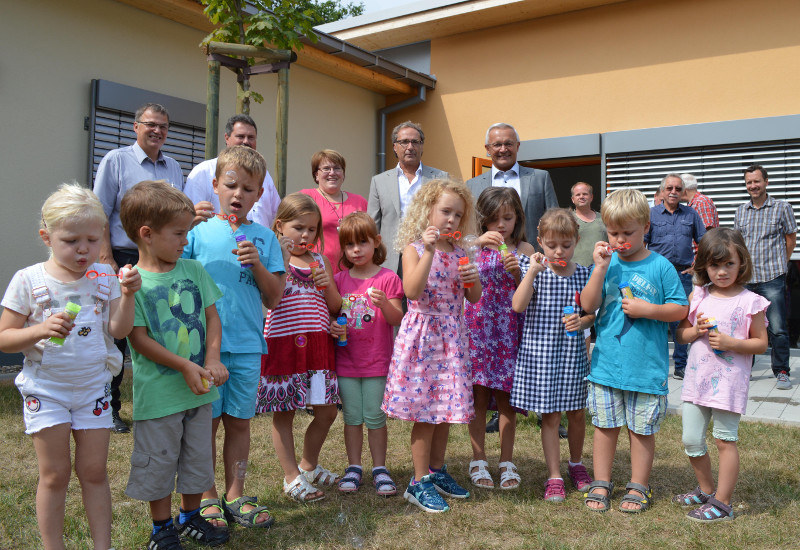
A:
{"x":383,"y":483}
{"x":351,"y":480}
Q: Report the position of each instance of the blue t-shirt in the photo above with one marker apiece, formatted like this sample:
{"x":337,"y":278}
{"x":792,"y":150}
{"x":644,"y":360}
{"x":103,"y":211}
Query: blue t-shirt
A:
{"x":632,"y":354}
{"x":239,"y":309}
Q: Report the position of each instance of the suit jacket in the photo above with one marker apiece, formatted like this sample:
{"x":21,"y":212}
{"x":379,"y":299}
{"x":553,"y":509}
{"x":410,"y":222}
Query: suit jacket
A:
{"x":538,"y":194}
{"x":384,"y":207}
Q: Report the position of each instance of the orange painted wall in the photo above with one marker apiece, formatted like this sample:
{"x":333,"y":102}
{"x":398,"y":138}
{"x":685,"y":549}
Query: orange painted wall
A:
{"x":639,"y":64}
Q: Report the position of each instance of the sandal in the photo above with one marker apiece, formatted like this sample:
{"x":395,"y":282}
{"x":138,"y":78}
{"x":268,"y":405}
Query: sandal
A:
{"x":643,"y":501}
{"x":383,"y":483}
{"x":482,"y":472}
{"x":234,"y":512}
{"x":712,"y":510}
{"x":695,"y":498}
{"x":510,"y":474}
{"x":300,"y":488}
{"x":591,"y":496}
{"x":320,"y":475}
{"x":351,"y":481}
{"x":207,"y":503}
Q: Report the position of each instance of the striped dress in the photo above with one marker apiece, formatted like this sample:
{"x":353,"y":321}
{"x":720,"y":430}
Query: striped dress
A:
{"x":299,"y":368}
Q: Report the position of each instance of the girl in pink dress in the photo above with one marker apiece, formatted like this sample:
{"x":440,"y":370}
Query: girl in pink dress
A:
{"x":726,"y":326}
{"x":429,"y":376}
{"x":495,"y":329}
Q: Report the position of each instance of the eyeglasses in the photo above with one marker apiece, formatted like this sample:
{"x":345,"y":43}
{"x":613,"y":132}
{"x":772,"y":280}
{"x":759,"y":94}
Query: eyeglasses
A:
{"x":328,"y":169}
{"x":678,"y":189}
{"x":153,"y":125}
{"x":499,"y":145}
{"x":407,"y":142}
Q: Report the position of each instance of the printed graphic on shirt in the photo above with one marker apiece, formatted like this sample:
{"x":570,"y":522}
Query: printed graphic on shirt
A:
{"x":355,"y":307}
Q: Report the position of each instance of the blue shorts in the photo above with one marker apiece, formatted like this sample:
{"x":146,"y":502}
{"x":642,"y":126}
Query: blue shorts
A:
{"x":238,"y":396}
{"x":614,"y":408}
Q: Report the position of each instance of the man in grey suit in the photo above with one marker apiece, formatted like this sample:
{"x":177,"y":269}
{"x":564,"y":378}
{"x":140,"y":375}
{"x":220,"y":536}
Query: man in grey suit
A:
{"x":390,"y":192}
{"x":534,"y":186}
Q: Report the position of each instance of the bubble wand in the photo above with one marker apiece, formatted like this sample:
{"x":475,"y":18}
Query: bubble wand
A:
{"x":93,"y":274}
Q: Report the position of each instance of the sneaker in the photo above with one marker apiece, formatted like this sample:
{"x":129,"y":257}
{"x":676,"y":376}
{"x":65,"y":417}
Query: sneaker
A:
{"x":119,"y":426}
{"x":678,"y":375}
{"x":554,"y":490}
{"x":166,"y":539}
{"x":446,"y":485}
{"x":579,"y":476}
{"x":783,"y":381}
{"x":493,"y":426}
{"x":201,"y":531}
{"x":425,"y":496}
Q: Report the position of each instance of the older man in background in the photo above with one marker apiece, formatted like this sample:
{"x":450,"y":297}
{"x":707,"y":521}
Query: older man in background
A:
{"x":702,"y":204}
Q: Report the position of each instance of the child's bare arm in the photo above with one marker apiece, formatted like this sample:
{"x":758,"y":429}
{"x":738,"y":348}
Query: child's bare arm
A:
{"x":269,"y":284}
{"x":333,"y":298}
{"x":213,"y":342}
{"x":192,"y":373}
{"x":755,"y":344}
{"x":524,"y":293}
{"x":16,"y":337}
{"x":469,"y":274}
{"x":637,"y":308}
{"x":688,"y":333}
{"x":417,"y":268}
{"x":390,"y":307}
{"x":592,"y":293}
{"x":122,"y":310}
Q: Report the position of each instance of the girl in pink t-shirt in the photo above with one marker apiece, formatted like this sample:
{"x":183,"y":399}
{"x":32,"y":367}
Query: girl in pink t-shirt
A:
{"x":726,"y":326}
{"x":371,"y":297}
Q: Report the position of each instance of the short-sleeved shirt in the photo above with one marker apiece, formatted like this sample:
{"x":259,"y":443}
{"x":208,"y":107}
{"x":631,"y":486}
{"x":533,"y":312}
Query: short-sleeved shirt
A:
{"x":764,"y":230}
{"x":120,"y":170}
{"x":199,"y":187}
{"x":370,"y":338}
{"x":704,"y":206}
{"x":239,"y":309}
{"x":632,"y":354}
{"x":590,"y":233}
{"x":672,"y":233}
{"x":172,"y":306}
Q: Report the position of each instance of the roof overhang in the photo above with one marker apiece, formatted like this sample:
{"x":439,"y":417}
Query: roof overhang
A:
{"x":431,"y":19}
{"x":329,"y":55}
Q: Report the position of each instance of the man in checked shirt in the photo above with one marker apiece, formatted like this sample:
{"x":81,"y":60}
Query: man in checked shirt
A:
{"x":770,"y":230}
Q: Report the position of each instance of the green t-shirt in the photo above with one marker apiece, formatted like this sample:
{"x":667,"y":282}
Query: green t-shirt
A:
{"x":172,"y":306}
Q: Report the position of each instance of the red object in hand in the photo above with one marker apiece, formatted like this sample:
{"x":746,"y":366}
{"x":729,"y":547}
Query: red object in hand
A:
{"x":463,"y":260}
{"x":232,"y":217}
{"x":314,"y":267}
{"x":455,"y":234}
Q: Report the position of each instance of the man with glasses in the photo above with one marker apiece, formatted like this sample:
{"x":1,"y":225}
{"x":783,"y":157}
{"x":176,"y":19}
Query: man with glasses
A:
{"x":390,"y":192}
{"x":120,"y":170}
{"x":673,"y":228}
{"x":534,"y":186}
{"x":239,"y":130}
{"x":769,"y":229}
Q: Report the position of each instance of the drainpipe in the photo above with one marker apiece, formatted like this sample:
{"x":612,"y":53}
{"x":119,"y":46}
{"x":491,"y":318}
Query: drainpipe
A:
{"x":419,"y":98}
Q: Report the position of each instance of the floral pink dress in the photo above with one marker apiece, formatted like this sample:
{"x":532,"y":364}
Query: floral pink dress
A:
{"x":429,"y":376}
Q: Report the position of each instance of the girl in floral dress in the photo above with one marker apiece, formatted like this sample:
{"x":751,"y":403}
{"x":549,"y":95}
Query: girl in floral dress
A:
{"x":429,"y":382}
{"x":298,"y":370}
{"x":495,"y":329}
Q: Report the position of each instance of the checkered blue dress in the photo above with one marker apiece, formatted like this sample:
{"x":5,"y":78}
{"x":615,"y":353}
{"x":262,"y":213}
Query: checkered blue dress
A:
{"x":551,"y":366}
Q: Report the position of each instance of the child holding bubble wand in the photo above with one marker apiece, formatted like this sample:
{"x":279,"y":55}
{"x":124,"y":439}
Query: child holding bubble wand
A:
{"x":66,"y":387}
{"x":726,"y":326}
{"x":552,"y":364}
{"x":429,"y":377}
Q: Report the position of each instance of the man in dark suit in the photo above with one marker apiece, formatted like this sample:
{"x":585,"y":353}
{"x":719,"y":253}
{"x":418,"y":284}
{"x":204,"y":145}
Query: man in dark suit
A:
{"x":390,"y":192}
{"x":534,"y":186}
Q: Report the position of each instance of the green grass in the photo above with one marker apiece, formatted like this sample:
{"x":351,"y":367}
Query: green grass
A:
{"x":765,"y":502}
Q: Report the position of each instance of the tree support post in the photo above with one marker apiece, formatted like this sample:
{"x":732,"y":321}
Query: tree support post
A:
{"x":282,"y":129}
{"x":212,"y":108}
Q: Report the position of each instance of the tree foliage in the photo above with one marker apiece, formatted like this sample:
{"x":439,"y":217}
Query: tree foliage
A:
{"x":328,"y":11}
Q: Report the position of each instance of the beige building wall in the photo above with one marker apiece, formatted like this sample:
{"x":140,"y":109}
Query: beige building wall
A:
{"x":638,"y":64}
{"x":59,"y":47}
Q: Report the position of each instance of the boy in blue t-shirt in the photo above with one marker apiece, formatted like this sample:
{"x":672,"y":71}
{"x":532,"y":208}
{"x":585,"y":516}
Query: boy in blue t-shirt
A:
{"x":176,"y":329}
{"x":630,"y":362}
{"x":248,"y":264}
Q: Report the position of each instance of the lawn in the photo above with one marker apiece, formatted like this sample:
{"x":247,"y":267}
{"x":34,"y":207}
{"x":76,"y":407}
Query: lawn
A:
{"x":766,"y":502}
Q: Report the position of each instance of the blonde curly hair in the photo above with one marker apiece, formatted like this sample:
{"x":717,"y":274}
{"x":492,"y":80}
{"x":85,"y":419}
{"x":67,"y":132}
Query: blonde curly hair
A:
{"x":416,"y":218}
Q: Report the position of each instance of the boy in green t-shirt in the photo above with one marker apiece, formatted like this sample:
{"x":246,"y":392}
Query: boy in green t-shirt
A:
{"x":176,"y":330}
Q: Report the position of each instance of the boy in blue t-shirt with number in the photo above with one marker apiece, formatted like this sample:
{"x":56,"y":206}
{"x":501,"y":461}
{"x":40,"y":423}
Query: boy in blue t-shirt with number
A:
{"x":176,"y":329}
{"x":630,"y":362}
{"x":248,"y":264}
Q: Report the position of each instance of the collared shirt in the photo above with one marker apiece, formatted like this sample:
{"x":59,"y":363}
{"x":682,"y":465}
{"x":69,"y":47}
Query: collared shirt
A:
{"x":199,"y":188}
{"x":408,"y":188}
{"x":671,"y":234}
{"x":120,"y":170}
{"x":764,"y":230}
{"x":509,"y":178}
{"x":705,"y":207}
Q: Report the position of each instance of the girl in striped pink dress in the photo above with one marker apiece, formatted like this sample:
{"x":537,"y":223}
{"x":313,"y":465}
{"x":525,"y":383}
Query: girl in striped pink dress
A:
{"x":298,"y":370}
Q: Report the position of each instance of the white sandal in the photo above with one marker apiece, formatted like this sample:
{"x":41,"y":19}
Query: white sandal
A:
{"x":509,"y":474}
{"x":320,"y":475}
{"x":299,"y":489}
{"x":482,"y":472}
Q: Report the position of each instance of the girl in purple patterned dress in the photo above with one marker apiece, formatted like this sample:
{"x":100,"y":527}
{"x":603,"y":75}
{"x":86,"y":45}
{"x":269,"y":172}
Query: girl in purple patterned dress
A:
{"x":495,"y":330}
{"x":429,"y":382}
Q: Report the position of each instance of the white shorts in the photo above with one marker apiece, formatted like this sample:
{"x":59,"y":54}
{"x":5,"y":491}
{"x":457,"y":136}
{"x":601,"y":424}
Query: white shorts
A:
{"x":47,"y":403}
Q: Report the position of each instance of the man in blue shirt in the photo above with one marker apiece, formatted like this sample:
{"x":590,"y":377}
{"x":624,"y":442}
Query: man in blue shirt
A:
{"x":673,"y":229}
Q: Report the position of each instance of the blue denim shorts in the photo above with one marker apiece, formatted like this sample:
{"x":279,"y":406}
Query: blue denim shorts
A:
{"x":238,"y":396}
{"x":611,"y":407}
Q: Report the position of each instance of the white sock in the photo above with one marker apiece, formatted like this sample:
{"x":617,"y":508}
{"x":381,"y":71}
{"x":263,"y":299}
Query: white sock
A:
{"x":573,"y":464}
{"x":557,"y":478}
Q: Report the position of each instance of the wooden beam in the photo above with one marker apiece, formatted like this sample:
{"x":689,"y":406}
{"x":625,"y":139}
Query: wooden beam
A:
{"x":244,"y":50}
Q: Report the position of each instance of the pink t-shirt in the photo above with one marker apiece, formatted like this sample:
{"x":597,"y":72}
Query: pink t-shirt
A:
{"x":370,"y":338}
{"x":332,"y":213}
{"x":721,"y":381}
